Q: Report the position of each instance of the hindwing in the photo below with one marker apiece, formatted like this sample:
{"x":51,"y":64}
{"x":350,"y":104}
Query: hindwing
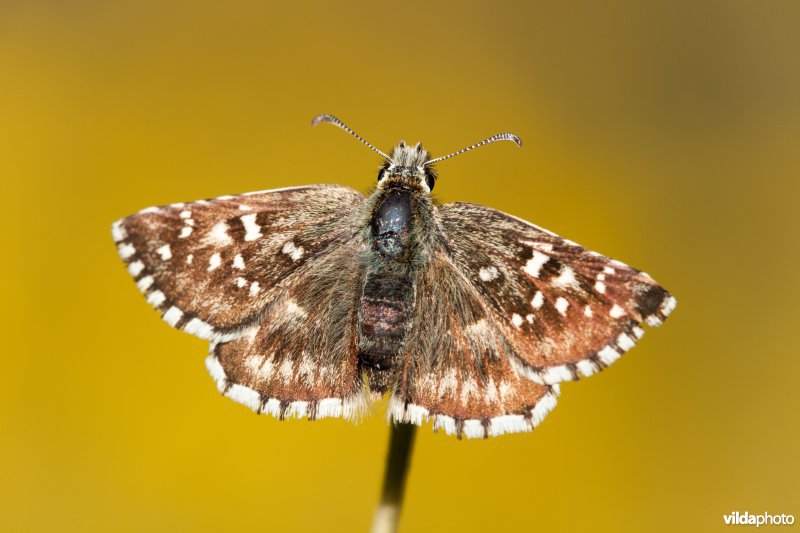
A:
{"x":456,"y":363}
{"x":301,"y":358}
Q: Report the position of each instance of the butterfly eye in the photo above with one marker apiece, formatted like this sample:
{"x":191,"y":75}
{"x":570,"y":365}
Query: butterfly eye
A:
{"x":430,"y":178}
{"x":383,"y":168}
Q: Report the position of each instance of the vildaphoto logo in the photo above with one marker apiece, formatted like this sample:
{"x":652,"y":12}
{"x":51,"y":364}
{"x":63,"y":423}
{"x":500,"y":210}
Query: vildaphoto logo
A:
{"x":765,"y":519}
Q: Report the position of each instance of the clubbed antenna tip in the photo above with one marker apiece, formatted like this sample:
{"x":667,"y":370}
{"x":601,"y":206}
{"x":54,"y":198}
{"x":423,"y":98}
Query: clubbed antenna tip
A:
{"x":330,"y":119}
{"x":323,"y":118}
{"x":499,"y":137}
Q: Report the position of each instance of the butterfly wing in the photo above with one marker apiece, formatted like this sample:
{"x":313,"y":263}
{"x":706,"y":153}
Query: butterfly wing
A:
{"x":301,"y":358}
{"x":565,"y":311}
{"x":457,"y":364}
{"x":211,"y":267}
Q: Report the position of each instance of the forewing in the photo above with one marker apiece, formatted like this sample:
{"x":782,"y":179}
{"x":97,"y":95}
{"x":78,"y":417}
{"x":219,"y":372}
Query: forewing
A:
{"x":565,"y":310}
{"x":457,"y":364}
{"x":301,"y":359}
{"x":210,"y":267}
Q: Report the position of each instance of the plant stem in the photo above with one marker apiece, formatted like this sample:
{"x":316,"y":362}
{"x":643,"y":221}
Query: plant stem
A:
{"x":401,"y":445}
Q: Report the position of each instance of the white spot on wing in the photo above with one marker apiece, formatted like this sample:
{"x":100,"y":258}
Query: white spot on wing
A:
{"x":446,"y":423}
{"x":216,"y":370}
{"x":468,"y":388}
{"x":600,"y":287}
{"x":448,"y":384}
{"x":126,"y":250}
{"x":653,"y":320}
{"x":185,"y":232}
{"x":669,"y":305}
{"x":538,"y":300}
{"x":185,"y":214}
{"x":156,"y":298}
{"x":625,"y":342}
{"x":535,"y":264}
{"x":488,"y":273}
{"x":566,"y":278}
{"x":197,"y":327}
{"x":144,"y":283}
{"x":244,"y":395}
{"x":219,"y":234}
{"x":586,"y":367}
{"x":287,"y":369}
{"x":305,"y":369}
{"x":214,"y":261}
{"x":616,"y":311}
{"x":329,"y":407}
{"x":260,"y":365}
{"x":400,"y":411}
{"x":172,"y":315}
{"x":238,"y":262}
{"x":117,"y":231}
{"x":505,"y":388}
{"x":241,"y":282}
{"x":608,"y":355}
{"x":165,"y":252}
{"x":516,"y":320}
{"x":491,"y":391}
{"x":556,"y":374}
{"x":544,"y":406}
{"x":298,"y":409}
{"x":295,"y":310}
{"x":561,"y":305}
{"x":293,"y":251}
{"x":251,"y":227}
{"x":473,"y":429}
{"x":135,"y":268}
{"x":503,"y":424}
{"x":254,"y":288}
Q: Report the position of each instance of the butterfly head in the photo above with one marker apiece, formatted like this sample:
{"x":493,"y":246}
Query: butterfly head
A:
{"x":408,"y":166}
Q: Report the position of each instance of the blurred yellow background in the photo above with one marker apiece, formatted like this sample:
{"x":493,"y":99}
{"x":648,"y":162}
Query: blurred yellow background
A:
{"x":661,"y":134}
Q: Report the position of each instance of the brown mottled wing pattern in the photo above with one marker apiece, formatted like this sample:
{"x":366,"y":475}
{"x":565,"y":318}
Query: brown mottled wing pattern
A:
{"x":565,"y":311}
{"x":301,"y":359}
{"x":457,"y":364}
{"x":212,"y":266}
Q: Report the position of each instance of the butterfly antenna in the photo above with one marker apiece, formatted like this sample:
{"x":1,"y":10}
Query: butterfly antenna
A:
{"x":319,"y":119}
{"x":493,"y":138}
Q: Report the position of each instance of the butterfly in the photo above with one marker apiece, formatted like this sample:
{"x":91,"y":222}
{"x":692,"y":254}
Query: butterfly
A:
{"x":318,"y":300}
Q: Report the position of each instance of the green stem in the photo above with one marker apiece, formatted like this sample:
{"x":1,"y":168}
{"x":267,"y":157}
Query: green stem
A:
{"x":401,"y":445}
